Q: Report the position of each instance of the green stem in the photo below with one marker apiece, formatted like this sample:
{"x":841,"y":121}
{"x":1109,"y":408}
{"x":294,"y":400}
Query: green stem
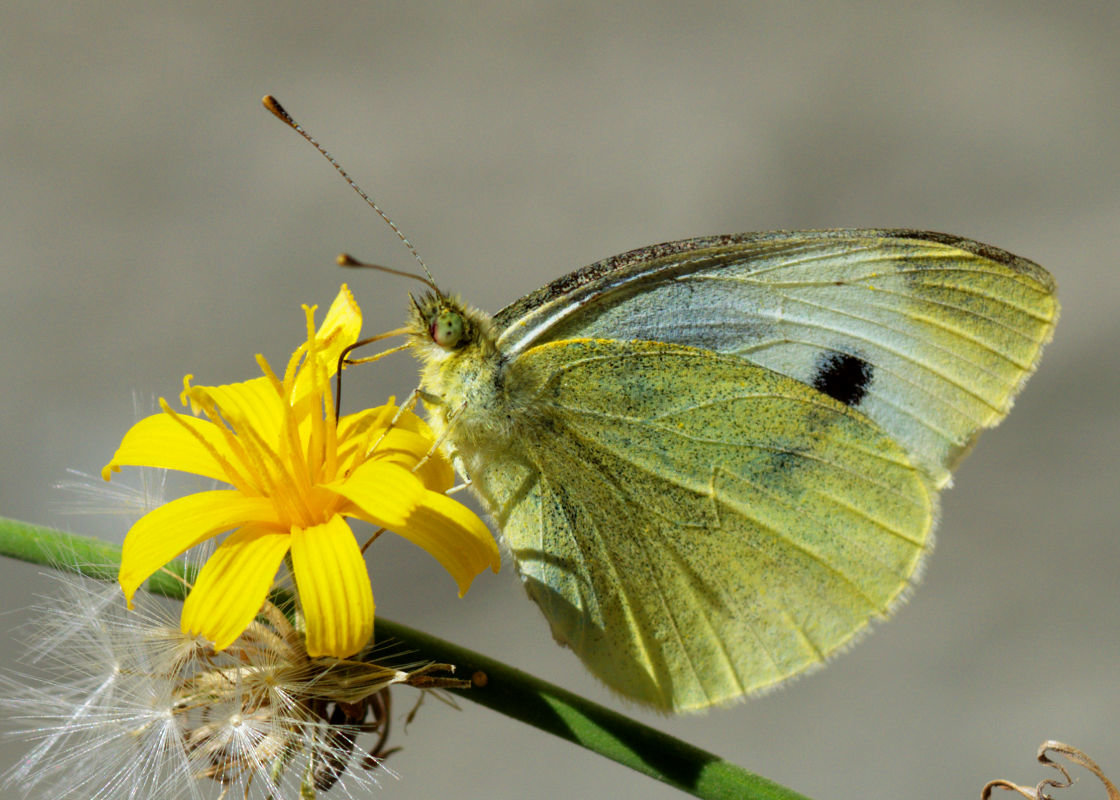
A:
{"x":506,"y":690}
{"x":85,"y":555}
{"x":608,"y":733}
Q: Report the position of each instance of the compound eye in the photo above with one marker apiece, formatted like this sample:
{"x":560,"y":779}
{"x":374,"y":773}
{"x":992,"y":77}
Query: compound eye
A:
{"x":446,"y":329}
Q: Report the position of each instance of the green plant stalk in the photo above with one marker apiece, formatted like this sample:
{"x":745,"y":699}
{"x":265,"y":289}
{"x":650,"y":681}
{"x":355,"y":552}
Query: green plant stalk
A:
{"x":507,"y":690}
{"x":601,"y":730}
{"x":85,"y":555}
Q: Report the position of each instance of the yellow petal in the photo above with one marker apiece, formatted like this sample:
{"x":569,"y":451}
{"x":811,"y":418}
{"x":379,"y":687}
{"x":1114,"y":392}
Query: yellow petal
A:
{"x":253,"y":403}
{"x":340,"y":329}
{"x":162,"y":441}
{"x":406,"y":443}
{"x":164,"y":533}
{"x":437,"y":473}
{"x":411,"y":422}
{"x":232,"y":585}
{"x":408,"y":448}
{"x":385,"y":493}
{"x":454,"y":536}
{"x":334,"y":589}
{"x":362,"y":428}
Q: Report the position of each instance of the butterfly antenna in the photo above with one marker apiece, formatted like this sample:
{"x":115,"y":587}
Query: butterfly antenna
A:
{"x":347,"y":260}
{"x":273,"y":105}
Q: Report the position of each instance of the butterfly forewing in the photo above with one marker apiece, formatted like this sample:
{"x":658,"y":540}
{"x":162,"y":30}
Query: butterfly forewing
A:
{"x":928,"y":335}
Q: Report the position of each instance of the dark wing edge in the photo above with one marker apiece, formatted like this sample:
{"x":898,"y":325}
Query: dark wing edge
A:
{"x":665,"y":253}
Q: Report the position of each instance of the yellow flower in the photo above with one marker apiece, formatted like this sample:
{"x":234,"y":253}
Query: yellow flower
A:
{"x":296,"y":474}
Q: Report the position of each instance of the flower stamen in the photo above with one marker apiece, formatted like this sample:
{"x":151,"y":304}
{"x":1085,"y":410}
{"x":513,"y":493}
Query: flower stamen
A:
{"x":240,"y":482}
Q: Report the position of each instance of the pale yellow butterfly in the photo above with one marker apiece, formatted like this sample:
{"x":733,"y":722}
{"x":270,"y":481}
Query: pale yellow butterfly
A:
{"x":716,"y":460}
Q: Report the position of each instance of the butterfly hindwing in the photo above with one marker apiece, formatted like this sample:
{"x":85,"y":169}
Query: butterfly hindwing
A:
{"x":697,"y":527}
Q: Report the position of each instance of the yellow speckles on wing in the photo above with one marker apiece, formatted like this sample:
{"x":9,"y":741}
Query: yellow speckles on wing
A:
{"x":706,"y":527}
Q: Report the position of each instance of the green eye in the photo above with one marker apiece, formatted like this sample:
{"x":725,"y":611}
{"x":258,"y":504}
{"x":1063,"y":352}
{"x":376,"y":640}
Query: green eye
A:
{"x":446,"y":329}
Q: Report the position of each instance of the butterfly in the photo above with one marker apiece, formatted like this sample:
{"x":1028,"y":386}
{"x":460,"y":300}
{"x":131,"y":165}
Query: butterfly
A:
{"x":716,"y":460}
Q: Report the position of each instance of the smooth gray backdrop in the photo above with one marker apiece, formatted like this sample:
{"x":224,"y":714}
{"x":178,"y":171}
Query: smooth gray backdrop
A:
{"x":156,"y":221}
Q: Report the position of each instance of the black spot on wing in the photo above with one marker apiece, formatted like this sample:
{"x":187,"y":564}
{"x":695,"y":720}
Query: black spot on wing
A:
{"x":843,"y":377}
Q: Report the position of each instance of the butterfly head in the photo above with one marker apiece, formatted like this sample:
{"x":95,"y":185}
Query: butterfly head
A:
{"x":457,"y":348}
{"x":441,"y":327}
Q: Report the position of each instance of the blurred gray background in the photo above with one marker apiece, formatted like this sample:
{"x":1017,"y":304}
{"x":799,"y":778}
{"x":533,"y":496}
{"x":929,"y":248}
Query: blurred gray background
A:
{"x":156,"y":221}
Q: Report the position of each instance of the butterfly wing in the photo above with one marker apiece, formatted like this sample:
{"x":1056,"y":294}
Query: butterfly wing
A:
{"x":696,"y":527}
{"x":929,"y":335}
